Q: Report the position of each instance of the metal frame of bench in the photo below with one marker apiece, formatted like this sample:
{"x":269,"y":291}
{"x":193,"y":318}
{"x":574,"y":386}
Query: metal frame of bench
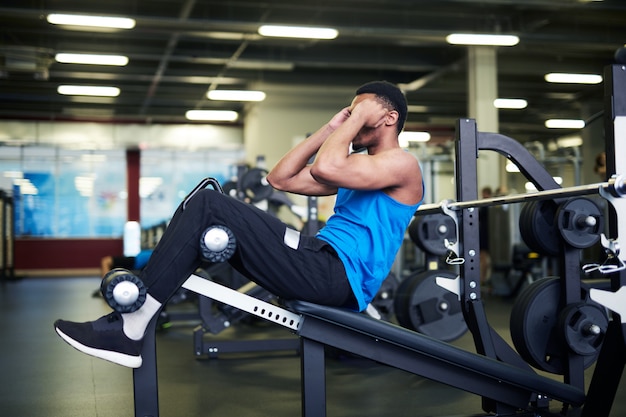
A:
{"x":384,"y":342}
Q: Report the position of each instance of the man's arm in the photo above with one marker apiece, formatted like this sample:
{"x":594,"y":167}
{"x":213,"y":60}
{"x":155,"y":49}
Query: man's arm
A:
{"x":386,"y":167}
{"x":293,"y":172}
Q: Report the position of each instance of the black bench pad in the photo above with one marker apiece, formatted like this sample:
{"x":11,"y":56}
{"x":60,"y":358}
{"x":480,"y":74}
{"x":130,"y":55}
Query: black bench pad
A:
{"x":435,"y":351}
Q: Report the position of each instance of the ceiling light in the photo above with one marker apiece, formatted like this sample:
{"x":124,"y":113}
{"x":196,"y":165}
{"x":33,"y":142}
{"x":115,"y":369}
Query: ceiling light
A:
{"x":565,"y":124}
{"x":297,"y":32}
{"x":482,"y":39}
{"x":88,"y":20}
{"x":212,"y":115}
{"x":236,"y":95}
{"x":85,"y":90}
{"x":573,"y":78}
{"x":510,"y":103}
{"x":91,"y":59}
{"x":570,"y":141}
{"x":263,"y":65}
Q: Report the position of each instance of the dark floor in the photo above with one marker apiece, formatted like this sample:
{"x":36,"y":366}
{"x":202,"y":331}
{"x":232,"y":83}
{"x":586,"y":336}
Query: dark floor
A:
{"x":42,"y":376}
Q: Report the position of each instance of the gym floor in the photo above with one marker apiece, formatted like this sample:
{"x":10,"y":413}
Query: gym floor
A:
{"x":42,"y":376}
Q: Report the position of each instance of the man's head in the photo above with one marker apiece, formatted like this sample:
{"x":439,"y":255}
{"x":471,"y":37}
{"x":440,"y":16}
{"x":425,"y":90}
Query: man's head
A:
{"x":391,"y":95}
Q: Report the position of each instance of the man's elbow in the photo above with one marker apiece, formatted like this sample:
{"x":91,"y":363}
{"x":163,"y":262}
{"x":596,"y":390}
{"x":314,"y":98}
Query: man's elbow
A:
{"x":275,"y":181}
{"x":323,"y":173}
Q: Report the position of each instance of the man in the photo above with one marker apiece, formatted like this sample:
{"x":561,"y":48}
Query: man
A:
{"x":344,"y":265}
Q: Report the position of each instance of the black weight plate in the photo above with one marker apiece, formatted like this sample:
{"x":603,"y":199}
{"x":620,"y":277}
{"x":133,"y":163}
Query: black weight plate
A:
{"x":570,"y":222}
{"x":429,"y":232}
{"x":526,"y":235}
{"x":254,"y":186}
{"x":534,"y":326}
{"x":384,"y":299}
{"x":230,"y":188}
{"x":538,"y":227}
{"x":425,"y":307}
{"x":526,"y":229}
{"x":576,"y":322}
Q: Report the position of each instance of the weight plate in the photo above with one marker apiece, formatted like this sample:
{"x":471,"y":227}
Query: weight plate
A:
{"x":580,"y":222}
{"x":584,"y":326}
{"x":254,"y":185}
{"x":538,"y":227}
{"x":384,"y":299}
{"x":429,"y":232}
{"x":230,"y":188}
{"x":534,"y":325}
{"x":425,"y":307}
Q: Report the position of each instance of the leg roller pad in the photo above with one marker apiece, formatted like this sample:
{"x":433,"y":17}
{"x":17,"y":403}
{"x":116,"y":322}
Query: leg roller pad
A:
{"x":217,"y":244}
{"x":123,"y":290}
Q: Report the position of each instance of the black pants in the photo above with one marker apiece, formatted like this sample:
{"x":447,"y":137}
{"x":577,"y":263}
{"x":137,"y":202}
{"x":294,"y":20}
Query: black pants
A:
{"x":287,"y":264}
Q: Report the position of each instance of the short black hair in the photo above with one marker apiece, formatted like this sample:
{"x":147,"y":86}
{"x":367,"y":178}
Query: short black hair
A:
{"x":391,"y":94}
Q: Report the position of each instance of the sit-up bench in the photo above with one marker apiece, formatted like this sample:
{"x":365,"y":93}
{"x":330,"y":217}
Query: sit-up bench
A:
{"x":362,"y":335}
{"x":415,"y":353}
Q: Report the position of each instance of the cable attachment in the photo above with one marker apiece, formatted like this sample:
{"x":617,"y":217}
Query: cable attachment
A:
{"x":612,"y":263}
{"x":452,"y":257}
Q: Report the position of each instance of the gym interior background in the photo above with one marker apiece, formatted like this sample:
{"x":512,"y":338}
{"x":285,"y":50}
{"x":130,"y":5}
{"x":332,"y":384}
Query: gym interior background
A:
{"x":75,"y":168}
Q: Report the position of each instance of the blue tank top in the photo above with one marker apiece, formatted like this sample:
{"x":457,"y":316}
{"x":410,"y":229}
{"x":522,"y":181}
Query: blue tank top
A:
{"x":366,"y":231}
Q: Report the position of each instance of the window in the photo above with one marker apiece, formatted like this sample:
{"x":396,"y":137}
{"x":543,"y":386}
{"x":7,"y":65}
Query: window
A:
{"x":168,"y":176}
{"x":65,"y":193}
{"x":76,"y":193}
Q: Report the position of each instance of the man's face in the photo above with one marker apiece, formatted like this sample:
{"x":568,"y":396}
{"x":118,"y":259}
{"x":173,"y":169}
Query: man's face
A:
{"x":365,"y":137}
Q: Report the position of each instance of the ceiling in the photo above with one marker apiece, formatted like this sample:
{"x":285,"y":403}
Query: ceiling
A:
{"x":181,"y":48}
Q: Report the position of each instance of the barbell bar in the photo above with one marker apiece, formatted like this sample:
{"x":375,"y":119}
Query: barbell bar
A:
{"x":615,"y":185}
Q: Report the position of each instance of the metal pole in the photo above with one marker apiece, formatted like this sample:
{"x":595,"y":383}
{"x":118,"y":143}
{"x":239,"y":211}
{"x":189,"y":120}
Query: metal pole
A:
{"x":617,"y":187}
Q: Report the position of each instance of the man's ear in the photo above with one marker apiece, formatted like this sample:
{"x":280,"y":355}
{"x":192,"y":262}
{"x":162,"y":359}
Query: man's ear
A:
{"x":392,"y":117}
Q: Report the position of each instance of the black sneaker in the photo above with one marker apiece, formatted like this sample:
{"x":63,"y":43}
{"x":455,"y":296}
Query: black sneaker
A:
{"x":103,"y":338}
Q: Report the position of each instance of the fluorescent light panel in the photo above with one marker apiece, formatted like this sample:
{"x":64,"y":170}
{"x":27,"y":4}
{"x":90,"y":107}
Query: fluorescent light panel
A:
{"x":510,"y":103}
{"x":482,"y":39}
{"x":305,"y":32}
{"x":86,"y":90}
{"x":570,"y":141}
{"x":565,"y":78}
{"x":264,"y":65}
{"x":93,"y":21}
{"x":212,"y":115}
{"x":91,"y":59}
{"x":236,"y":95}
{"x":565,"y":124}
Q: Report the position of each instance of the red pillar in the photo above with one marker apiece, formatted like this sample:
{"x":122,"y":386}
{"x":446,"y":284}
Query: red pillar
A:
{"x":133,"y":161}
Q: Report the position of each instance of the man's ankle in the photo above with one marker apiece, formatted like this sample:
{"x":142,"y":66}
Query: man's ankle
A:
{"x":135,"y":323}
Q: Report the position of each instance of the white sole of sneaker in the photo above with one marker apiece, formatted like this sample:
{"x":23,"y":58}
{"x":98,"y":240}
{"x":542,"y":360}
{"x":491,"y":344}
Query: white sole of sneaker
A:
{"x":115,"y":357}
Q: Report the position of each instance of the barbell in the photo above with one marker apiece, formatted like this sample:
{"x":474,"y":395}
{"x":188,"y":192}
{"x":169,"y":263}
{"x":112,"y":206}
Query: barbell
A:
{"x":616,"y":186}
